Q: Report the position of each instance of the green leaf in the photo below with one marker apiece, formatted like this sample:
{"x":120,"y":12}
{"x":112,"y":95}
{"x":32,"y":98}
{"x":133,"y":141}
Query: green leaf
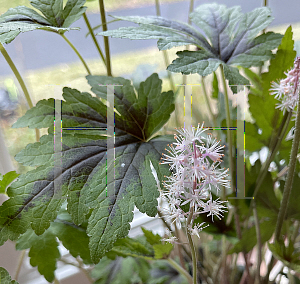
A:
{"x":289,"y":256}
{"x":227,"y":37}
{"x":254,"y":78}
{"x":234,"y":77}
{"x":5,"y":277}
{"x":169,"y":33}
{"x":73,"y":237}
{"x":35,"y":202}
{"x":151,"y":238}
{"x":121,"y":270}
{"x":135,"y":117}
{"x":249,"y":240}
{"x":73,"y":11}
{"x":55,"y":19}
{"x":51,"y":9}
{"x":215,"y":86}
{"x":130,"y":247}
{"x":162,"y":250}
{"x":262,"y":104}
{"x":6,"y":180}
{"x":43,"y":251}
{"x":189,"y":62}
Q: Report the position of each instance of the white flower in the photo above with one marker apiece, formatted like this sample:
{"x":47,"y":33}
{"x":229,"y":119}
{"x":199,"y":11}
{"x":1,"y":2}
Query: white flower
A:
{"x":197,"y":229}
{"x":214,"y":207}
{"x":195,"y":173}
{"x":171,"y":239}
{"x":287,"y":90}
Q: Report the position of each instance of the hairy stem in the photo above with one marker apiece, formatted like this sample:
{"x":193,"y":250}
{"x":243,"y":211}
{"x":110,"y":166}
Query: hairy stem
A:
{"x":207,"y":101}
{"x":259,"y":244}
{"x":93,"y":37}
{"x":180,"y":270}
{"x":264,"y":170}
{"x":290,"y":176}
{"x":106,"y":42}
{"x":21,"y":82}
{"x":228,"y":122}
{"x":78,"y":54}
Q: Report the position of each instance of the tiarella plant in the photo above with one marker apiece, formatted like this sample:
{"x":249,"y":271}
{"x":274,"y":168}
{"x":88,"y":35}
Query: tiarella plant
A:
{"x":198,"y":201}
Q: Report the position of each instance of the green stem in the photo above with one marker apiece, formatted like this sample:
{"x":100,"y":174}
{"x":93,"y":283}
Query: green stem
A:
{"x":171,"y":231}
{"x":194,"y":257}
{"x":180,"y":270}
{"x":259,"y":244}
{"x":85,"y":272}
{"x":165,"y":53}
{"x":20,"y":262}
{"x":78,"y":54}
{"x":228,"y":122}
{"x":207,"y":101}
{"x":21,"y":82}
{"x":106,"y":43}
{"x":290,"y":176}
{"x":287,"y":186}
{"x":264,"y":170}
{"x":93,"y":37}
{"x":265,"y":4}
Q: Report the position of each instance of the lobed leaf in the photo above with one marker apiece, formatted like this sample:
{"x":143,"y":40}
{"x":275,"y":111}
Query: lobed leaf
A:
{"x":56,"y":18}
{"x":35,"y":199}
{"x":43,"y":251}
{"x":226,"y":37}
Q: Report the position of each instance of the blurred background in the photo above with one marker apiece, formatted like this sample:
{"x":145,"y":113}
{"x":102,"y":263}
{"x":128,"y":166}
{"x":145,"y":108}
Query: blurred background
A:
{"x":44,"y":59}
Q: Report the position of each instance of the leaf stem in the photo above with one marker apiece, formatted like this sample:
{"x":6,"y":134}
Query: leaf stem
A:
{"x":228,"y":122}
{"x":259,"y":244}
{"x":181,"y":270}
{"x":106,"y":43}
{"x":93,"y":37}
{"x":290,"y":176}
{"x":207,"y":101}
{"x":288,"y":183}
{"x":21,"y":82}
{"x":78,"y":54}
{"x":86,"y":273}
{"x":165,"y":53}
{"x":20,"y":262}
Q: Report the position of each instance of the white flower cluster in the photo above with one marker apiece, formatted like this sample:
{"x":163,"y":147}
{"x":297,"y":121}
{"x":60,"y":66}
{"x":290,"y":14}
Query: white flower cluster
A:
{"x":287,"y":90}
{"x":194,"y":162}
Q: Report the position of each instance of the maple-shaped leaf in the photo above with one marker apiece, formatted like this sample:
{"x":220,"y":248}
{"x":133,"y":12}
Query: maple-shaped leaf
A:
{"x":55,"y":18}
{"x":34,"y":200}
{"x":225,"y":36}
